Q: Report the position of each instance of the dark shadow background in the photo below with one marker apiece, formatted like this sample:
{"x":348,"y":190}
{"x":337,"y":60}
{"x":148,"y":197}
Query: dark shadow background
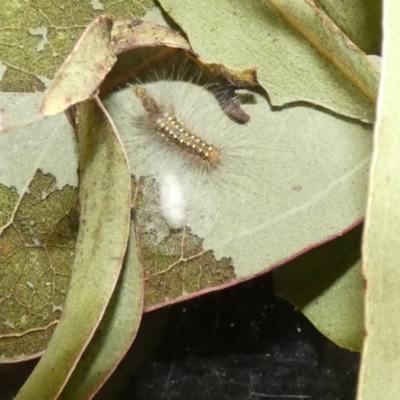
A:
{"x":241,"y":343}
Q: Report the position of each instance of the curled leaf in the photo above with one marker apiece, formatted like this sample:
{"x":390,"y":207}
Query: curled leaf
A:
{"x":290,"y":66}
{"x":83,"y":70}
{"x":104,"y":227}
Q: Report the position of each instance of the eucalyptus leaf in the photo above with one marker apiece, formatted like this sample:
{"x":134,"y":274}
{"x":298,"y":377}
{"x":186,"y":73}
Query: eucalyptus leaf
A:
{"x":289,"y":180}
{"x":361,"y":20}
{"x":327,"y":286}
{"x":310,"y":21}
{"x":36,"y":253}
{"x":77,"y":80}
{"x":39,"y":223}
{"x":115,"y":334}
{"x":287,"y":49}
{"x":37,"y":36}
{"x":102,"y":240}
{"x":380,"y":366}
{"x":48,"y":144}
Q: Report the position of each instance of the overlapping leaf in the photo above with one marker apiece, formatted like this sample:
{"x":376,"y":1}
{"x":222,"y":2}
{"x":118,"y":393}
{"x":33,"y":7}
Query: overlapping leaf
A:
{"x":381,"y":251}
{"x":38,"y":224}
{"x":102,"y":240}
{"x":276,"y":198}
{"x":299,"y":53}
{"x":327,"y":286}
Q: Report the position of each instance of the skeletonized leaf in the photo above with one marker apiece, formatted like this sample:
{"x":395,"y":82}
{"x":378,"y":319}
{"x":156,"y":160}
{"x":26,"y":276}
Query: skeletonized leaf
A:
{"x":104,"y":227}
{"x":36,"y":253}
{"x":38,"y":221}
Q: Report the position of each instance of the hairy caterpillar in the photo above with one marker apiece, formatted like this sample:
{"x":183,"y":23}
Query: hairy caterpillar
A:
{"x":172,"y":129}
{"x":177,"y":132}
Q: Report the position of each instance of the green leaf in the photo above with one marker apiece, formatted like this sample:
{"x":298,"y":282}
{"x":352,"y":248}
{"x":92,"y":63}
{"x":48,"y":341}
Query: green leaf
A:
{"x":327,"y":286}
{"x":361,"y":20}
{"x":77,"y":80}
{"x":379,"y":375}
{"x":37,"y":36}
{"x":115,"y":334}
{"x":39,"y":224}
{"x":36,"y":253}
{"x":310,"y":21}
{"x":299,"y":53}
{"x":289,"y":180}
{"x":48,"y":144}
{"x":104,"y":227}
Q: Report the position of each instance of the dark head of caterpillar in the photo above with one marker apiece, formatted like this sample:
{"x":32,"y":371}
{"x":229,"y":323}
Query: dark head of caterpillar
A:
{"x":173,"y":130}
